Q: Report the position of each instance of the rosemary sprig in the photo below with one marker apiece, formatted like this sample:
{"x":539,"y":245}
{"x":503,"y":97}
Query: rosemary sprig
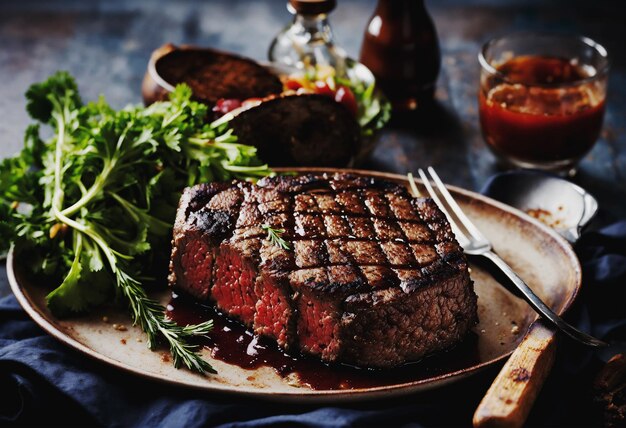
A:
{"x":149,"y":314}
{"x":273,"y":235}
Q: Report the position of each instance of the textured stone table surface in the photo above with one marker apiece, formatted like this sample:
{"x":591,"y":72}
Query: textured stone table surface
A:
{"x":106,"y":44}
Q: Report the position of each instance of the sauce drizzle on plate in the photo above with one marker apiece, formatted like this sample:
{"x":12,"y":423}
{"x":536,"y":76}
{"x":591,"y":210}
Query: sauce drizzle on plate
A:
{"x":231,"y":342}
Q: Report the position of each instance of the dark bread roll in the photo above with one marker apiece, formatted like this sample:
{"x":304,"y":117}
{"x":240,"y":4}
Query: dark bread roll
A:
{"x":299,"y":130}
{"x":288,"y":129}
{"x":213,"y":75}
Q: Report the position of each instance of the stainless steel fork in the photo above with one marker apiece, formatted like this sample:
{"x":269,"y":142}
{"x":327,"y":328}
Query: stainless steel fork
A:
{"x":475,"y":243}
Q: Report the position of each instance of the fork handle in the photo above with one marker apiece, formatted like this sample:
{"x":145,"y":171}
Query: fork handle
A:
{"x":529,"y":295}
{"x":538,"y":305}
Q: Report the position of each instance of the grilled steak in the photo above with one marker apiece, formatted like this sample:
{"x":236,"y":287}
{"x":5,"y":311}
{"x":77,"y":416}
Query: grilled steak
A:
{"x":298,"y":130}
{"x":373,"y":277}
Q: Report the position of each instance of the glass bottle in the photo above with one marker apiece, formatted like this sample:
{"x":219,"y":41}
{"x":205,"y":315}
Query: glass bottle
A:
{"x":308,"y":41}
{"x":401,"y":48}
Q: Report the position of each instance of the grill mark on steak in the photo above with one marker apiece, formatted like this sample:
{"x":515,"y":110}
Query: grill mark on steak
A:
{"x":346,"y":255}
{"x":351,"y":261}
{"x":324,"y":254}
{"x":355,"y":217}
{"x":387,"y":263}
{"x":408,"y":282}
{"x":255,"y":234}
{"x":404,"y":238}
{"x":373,"y":278}
{"x":291,"y":325}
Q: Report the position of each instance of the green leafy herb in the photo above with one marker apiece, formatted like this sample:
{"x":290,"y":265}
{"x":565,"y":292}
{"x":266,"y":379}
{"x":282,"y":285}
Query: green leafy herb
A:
{"x":94,"y":204}
{"x":374,"y":108}
{"x":273,"y":235}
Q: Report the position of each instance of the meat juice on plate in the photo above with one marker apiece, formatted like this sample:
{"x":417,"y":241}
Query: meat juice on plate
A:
{"x":541,"y":110}
{"x":231,"y":342}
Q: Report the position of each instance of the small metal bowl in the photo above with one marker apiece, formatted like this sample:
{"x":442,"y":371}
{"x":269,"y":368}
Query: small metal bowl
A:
{"x":560,"y":204}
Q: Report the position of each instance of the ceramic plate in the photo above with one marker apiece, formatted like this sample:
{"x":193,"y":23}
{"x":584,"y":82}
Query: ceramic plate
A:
{"x":541,"y":257}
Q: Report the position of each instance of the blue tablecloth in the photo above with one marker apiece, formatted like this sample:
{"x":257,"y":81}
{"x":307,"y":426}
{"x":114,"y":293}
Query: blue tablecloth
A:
{"x":44,"y":382}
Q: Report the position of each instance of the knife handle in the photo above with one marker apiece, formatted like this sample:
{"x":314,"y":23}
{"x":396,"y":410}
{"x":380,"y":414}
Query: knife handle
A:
{"x":513,"y":392}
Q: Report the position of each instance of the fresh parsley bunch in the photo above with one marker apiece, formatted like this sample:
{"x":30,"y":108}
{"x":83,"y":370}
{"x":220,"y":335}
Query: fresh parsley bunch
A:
{"x":93,"y":205}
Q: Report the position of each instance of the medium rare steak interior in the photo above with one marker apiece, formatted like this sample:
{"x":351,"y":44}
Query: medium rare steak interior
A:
{"x":372,"y":277}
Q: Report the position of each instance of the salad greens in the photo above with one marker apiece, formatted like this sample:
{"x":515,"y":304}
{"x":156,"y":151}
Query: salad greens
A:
{"x":373,"y":108}
{"x":93,"y":205}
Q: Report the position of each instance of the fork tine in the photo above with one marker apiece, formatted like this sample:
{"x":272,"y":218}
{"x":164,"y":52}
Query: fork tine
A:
{"x":455,"y":229}
{"x":458,"y":212}
{"x":476,"y":247}
{"x":414,"y":189}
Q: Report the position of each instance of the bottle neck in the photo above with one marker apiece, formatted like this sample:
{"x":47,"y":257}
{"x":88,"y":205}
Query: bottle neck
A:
{"x":317,"y":26}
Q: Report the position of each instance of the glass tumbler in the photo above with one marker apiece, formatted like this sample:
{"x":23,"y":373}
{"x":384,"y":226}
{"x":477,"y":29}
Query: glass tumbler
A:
{"x":542,"y":99}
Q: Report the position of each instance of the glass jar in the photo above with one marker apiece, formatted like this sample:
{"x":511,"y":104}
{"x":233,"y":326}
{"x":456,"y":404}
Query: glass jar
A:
{"x":308,"y":41}
{"x":542,"y":99}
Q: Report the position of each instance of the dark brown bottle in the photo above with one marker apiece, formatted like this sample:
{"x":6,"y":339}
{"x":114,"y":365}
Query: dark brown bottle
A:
{"x":401,"y":48}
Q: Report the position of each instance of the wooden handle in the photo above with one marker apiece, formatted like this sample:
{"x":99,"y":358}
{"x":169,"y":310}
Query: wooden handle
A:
{"x":512,"y":394}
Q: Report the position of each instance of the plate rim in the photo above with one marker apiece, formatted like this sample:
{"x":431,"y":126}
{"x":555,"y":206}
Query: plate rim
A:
{"x":40,"y":319}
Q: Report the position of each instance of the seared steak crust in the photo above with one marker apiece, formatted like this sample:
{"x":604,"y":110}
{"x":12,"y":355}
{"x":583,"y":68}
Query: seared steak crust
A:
{"x":373,"y":277}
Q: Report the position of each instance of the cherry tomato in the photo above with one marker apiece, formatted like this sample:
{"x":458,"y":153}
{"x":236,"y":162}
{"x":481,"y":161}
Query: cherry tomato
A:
{"x":293,"y":84}
{"x":322,"y":88}
{"x":224,"y":106}
{"x":345,"y":96}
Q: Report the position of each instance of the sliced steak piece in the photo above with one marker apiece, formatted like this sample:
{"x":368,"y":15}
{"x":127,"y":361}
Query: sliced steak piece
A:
{"x":373,"y":277}
{"x":294,"y":130}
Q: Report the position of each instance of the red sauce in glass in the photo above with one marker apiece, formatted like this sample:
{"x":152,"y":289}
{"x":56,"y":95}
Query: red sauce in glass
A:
{"x":541,"y":123}
{"x":231,"y":342}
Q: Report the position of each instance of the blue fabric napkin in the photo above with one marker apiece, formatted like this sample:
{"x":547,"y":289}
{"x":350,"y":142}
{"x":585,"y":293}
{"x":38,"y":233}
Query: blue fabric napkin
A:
{"x":44,"y":382}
